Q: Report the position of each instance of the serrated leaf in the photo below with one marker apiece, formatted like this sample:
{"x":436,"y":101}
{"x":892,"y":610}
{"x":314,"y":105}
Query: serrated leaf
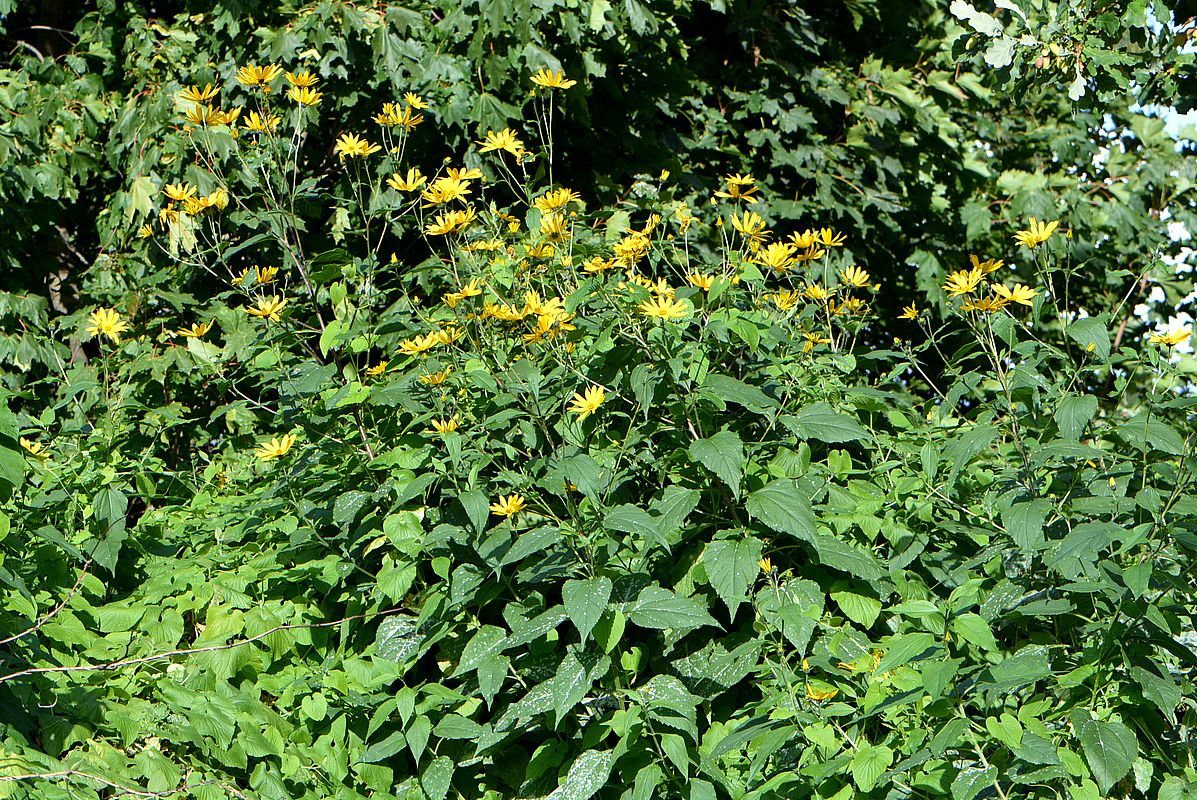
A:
{"x":1024,"y":523}
{"x":869,"y":764}
{"x":1073,"y":413}
{"x":1110,"y":748}
{"x":783,"y":507}
{"x":731,"y":567}
{"x":822,"y":422}
{"x":585,"y":601}
{"x":660,"y":608}
{"x":722,"y":454}
{"x":906,"y":648}
{"x":972,"y":781}
{"x":861,"y":609}
{"x":488,"y":641}
{"x":396,"y":639}
{"x":586,"y":776}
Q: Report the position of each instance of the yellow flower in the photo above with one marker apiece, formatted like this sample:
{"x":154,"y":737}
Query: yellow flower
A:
{"x":471,"y":289}
{"x":750,"y":225}
{"x":777,"y":256}
{"x":107,"y":322}
{"x":464,"y":174}
{"x":436,"y":378}
{"x":503,"y":140}
{"x":268,"y":307}
{"x":450,"y":222}
{"x":34,"y":448}
{"x":820,"y":694}
{"x":684,"y":218}
{"x":814,"y":291}
{"x":445,"y":190}
{"x":585,"y":404}
{"x":250,"y":76}
{"x":1037,"y":233}
{"x":766,"y":565}
{"x":786,"y":300}
{"x":739,"y":187}
{"x":415,"y":101}
{"x":264,"y":274}
{"x":275,"y":448}
{"x":1023,"y":295}
{"x":664,"y":308}
{"x":179,"y":191}
{"x":554,"y":227}
{"x":597,"y":264}
{"x":402,"y":116}
{"x":984,"y":305}
{"x":551,"y":80}
{"x":992,"y":265}
{"x":350,"y":145}
{"x":145,"y":231}
{"x":409,"y":183}
{"x":442,"y":426}
{"x":805,"y":240}
{"x":195,"y":94}
{"x":377,"y":369}
{"x":303,"y":79}
{"x":704,"y":282}
{"x":829,"y":239}
{"x":219,"y":198}
{"x":555,"y":199}
{"x":305,"y":95}
{"x":964,"y":281}
{"x":195,"y":331}
{"x":201,"y":114}
{"x":853,"y":305}
{"x":813,"y":339}
{"x":1172,"y":338}
{"x":418,"y":345}
{"x":909,"y":312}
{"x":508,"y":505}
{"x":256,"y":122}
{"x":855,"y":276}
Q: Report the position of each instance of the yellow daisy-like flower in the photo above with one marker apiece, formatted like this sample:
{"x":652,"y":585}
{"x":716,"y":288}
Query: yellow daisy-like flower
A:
{"x":827,"y":238}
{"x":751,"y":226}
{"x":450,"y":222}
{"x":820,"y":694}
{"x":145,"y":231}
{"x":377,"y":369}
{"x":777,"y":256}
{"x":270,"y":308}
{"x":179,"y":192}
{"x":766,"y":565}
{"x":204,"y":115}
{"x":555,"y":200}
{"x":992,"y":265}
{"x":436,"y":378}
{"x":855,"y":276}
{"x":443,"y":426}
{"x":353,"y":146}
{"x":964,"y":281}
{"x":503,"y":140}
{"x":814,"y":291}
{"x":909,"y":312}
{"x":786,"y":300}
{"x":34,"y":448}
{"x":259,"y":124}
{"x":303,"y":79}
{"x":275,"y":448}
{"x":508,"y":505}
{"x":1037,"y":233}
{"x":813,"y":339}
{"x":305,"y":95}
{"x":1172,"y":338}
{"x":394,"y":115}
{"x":704,"y":282}
{"x":218,"y":199}
{"x":597,"y":265}
{"x":194,"y":94}
{"x":107,"y":322}
{"x":195,"y":331}
{"x":739,"y":187}
{"x":586,"y":403}
{"x":664,"y":308}
{"x":407,"y":183}
{"x":552,"y":80}
{"x":1023,"y":295}
{"x":415,"y":101}
{"x":805,"y":240}
{"x":445,"y":190}
{"x":984,"y":305}
{"x":554,"y":227}
{"x":251,"y":75}
{"x":264,"y":275}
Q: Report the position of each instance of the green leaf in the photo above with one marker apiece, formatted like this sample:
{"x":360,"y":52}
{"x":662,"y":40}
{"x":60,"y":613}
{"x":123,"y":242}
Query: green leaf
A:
{"x":586,"y":776}
{"x":729,"y":389}
{"x":822,"y":422}
{"x":861,"y":609}
{"x":141,"y":198}
{"x":731,"y":567}
{"x":1024,"y":523}
{"x":785,"y":508}
{"x":794,"y":609}
{"x":1006,"y":729}
{"x":869,"y":764}
{"x":1110,"y":748}
{"x":397,"y":639}
{"x":438,"y":774}
{"x":488,"y":641}
{"x":110,"y":507}
{"x":476,"y":507}
{"x":972,"y":781}
{"x":981,"y":23}
{"x":628,"y":518}
{"x":722,"y":454}
{"x":973,"y":629}
{"x":1091,"y":331}
{"x":657,"y":607}
{"x":1073,"y":414}
{"x":906,"y":648}
{"x":569,"y":685}
{"x":1162,"y":691}
{"x":585,"y":601}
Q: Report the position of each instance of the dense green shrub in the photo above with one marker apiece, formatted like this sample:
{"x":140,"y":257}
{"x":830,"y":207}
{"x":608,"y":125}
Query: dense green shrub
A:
{"x":454,"y":483}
